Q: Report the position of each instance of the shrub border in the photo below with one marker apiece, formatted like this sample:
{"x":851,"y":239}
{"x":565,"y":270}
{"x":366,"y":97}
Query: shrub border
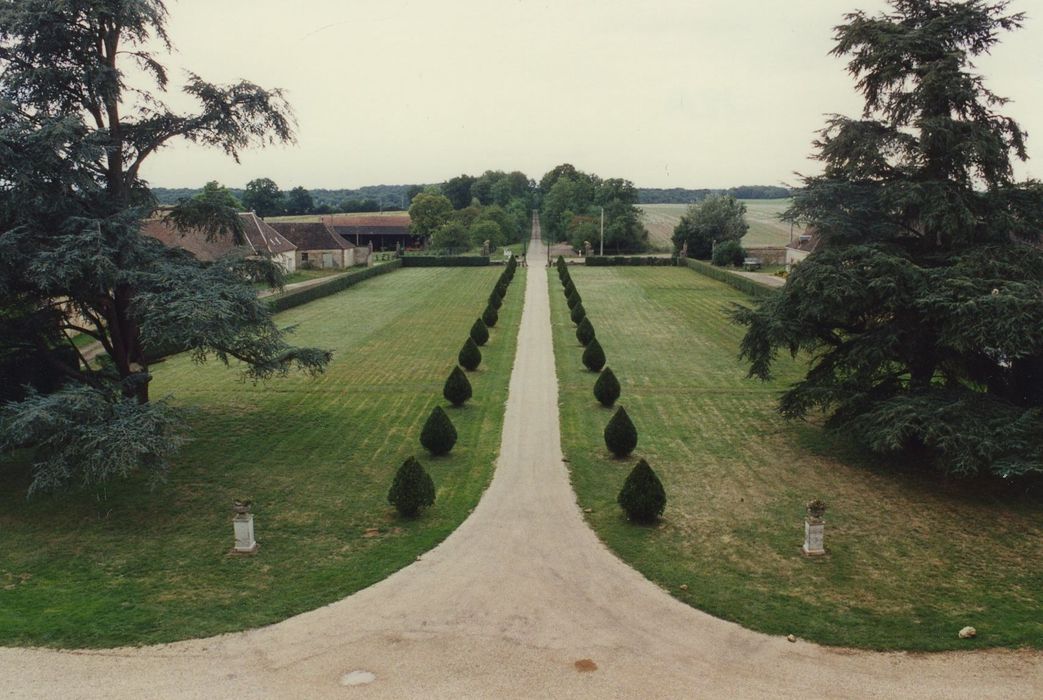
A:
{"x":288,"y":300}
{"x":445,"y":260}
{"x":743,"y":284}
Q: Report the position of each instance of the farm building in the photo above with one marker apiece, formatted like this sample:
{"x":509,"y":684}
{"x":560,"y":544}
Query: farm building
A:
{"x":319,"y":246}
{"x":260,"y":239}
{"x":383,"y":232}
{"x":801,"y":247}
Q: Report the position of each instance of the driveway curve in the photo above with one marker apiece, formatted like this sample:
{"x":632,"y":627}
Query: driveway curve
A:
{"x":522,"y":600}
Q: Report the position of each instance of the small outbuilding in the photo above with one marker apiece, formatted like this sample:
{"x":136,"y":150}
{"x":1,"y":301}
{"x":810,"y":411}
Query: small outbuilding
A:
{"x":318,"y":245}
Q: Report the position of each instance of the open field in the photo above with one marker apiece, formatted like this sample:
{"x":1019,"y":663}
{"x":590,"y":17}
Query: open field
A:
{"x":911,"y":559}
{"x":761,"y":215}
{"x":316,"y":456}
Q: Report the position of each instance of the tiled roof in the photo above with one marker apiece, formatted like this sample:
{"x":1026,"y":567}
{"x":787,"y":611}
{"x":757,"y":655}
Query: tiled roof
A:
{"x":311,"y":235}
{"x":392,"y":221}
{"x":260,"y":238}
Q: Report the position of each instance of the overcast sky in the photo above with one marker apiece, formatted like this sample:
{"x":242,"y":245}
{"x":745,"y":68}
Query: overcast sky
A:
{"x":668,"y":93}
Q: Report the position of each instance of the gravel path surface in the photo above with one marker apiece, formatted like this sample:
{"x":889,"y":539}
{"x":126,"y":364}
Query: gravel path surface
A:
{"x":521,"y":601}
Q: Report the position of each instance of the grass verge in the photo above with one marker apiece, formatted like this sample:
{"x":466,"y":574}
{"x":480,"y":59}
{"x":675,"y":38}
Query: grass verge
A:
{"x":316,"y":456}
{"x":911,"y":559}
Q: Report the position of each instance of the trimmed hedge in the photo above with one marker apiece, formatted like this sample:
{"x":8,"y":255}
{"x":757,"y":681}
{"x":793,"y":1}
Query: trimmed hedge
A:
{"x":490,"y":316}
{"x":573,"y":299}
{"x":585,"y":332}
{"x":438,"y":435}
{"x":445,"y":260}
{"x":606,"y":388}
{"x":470,"y":356}
{"x":495,"y":300}
{"x":479,"y":332}
{"x":578,"y":313}
{"x":620,"y":434}
{"x":743,"y":284}
{"x":606,"y":261}
{"x":642,"y":496}
{"x":594,"y":356}
{"x":288,"y":300}
{"x":457,"y":388}
{"x":412,"y":489}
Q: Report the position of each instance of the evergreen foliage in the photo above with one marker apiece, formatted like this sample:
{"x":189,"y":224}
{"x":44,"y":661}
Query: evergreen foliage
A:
{"x":728,"y":253}
{"x":490,"y":316}
{"x":606,"y":388}
{"x":921,"y":306}
{"x":501,"y":289}
{"x":495,"y":300}
{"x":438,"y":435}
{"x":470,"y":356}
{"x":479,"y":332}
{"x":81,"y":114}
{"x":578,"y":313}
{"x":457,"y":389}
{"x":412,"y":489}
{"x":593,"y":356}
{"x":620,"y":434}
{"x":573,"y":299}
{"x":585,"y":331}
{"x":642,"y":496}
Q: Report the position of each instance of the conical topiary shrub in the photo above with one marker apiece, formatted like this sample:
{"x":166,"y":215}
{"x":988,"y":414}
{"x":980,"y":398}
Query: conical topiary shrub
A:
{"x":457,"y":388}
{"x":560,"y":262}
{"x":470,"y":356}
{"x":438,"y":435}
{"x":569,"y":288}
{"x":479,"y":332}
{"x":620,"y":434}
{"x":412,"y":488}
{"x":489,"y":316}
{"x":642,"y":496}
{"x":495,"y":300}
{"x":585,"y":331}
{"x":594,"y":356}
{"x":573,"y":299}
{"x":501,"y":289}
{"x":606,"y":388}
{"x":578,"y":313}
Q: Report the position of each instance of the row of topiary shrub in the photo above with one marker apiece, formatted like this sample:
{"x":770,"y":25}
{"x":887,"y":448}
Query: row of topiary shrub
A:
{"x":615,"y":260}
{"x":413,"y":489}
{"x":642,"y":496}
{"x":445,"y":260}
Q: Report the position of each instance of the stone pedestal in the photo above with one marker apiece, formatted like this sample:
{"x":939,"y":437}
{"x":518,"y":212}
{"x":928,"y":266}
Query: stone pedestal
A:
{"x":813,"y":538}
{"x":244,"y":534}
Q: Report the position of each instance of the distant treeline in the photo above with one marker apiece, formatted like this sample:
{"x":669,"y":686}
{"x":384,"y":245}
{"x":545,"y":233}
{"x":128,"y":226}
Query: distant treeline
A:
{"x":368,"y":198}
{"x":398,"y":197}
{"x":679,"y":195}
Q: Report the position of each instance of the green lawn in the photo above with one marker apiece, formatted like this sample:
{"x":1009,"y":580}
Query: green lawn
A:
{"x":316,"y":456}
{"x":911,"y":559}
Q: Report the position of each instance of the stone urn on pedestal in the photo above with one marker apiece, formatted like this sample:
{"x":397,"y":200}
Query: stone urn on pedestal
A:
{"x":814,"y":529}
{"x":243,"y":524}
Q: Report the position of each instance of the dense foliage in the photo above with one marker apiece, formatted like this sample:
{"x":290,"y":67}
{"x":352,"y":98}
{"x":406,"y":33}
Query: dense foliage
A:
{"x":75,"y":129}
{"x":728,"y":253}
{"x":470,"y":356}
{"x":593,"y":356}
{"x":490,"y":316}
{"x":585,"y":332}
{"x":714,"y":220}
{"x":578,"y":313}
{"x":679,"y":195}
{"x":642,"y":496}
{"x":438,"y":434}
{"x":606,"y":388}
{"x":412,"y":489}
{"x":572,"y":202}
{"x":479,"y":332}
{"x":457,"y":389}
{"x":620,"y":434}
{"x":921,"y":309}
